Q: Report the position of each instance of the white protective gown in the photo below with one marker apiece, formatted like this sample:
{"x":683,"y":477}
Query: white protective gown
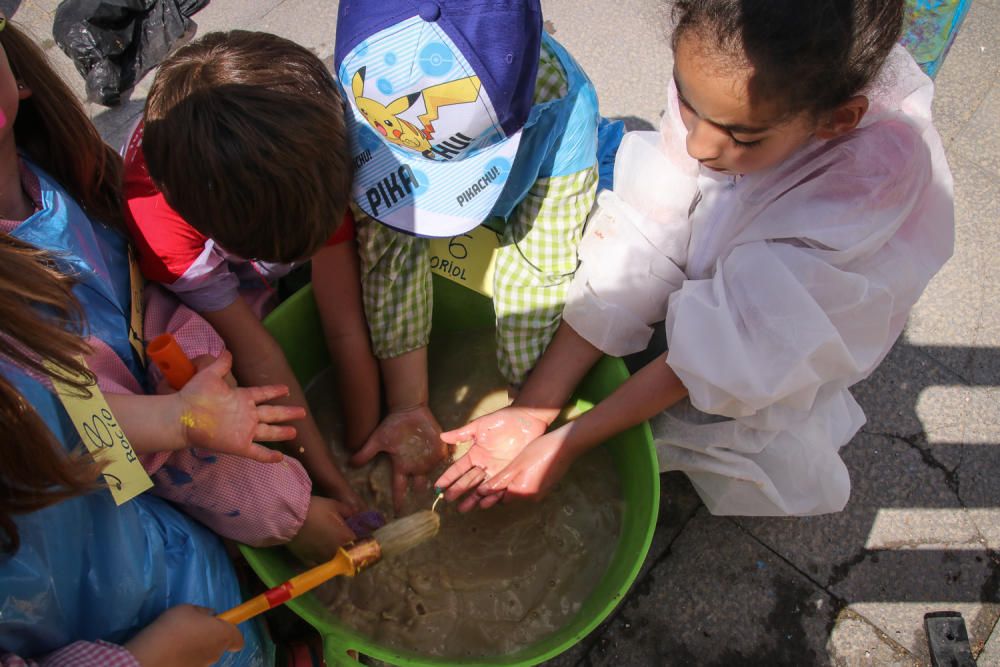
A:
{"x":780,"y":290}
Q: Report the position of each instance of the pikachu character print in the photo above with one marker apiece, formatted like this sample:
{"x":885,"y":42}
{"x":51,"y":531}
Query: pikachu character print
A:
{"x":388,"y":119}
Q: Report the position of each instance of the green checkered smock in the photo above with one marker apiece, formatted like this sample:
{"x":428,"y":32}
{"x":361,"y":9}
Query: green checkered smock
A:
{"x":535,"y":264}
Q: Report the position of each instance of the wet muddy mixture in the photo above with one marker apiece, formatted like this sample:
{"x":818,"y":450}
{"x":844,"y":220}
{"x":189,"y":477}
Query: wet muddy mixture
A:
{"x":494,"y":581}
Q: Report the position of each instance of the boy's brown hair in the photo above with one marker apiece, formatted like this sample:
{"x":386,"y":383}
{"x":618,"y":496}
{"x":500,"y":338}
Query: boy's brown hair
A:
{"x":245,"y":136}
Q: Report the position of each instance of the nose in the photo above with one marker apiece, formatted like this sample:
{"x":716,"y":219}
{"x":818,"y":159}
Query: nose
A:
{"x":705,"y":141}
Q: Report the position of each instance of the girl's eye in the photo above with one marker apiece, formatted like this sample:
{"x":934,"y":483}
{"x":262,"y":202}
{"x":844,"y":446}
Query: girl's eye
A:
{"x":746,"y":144}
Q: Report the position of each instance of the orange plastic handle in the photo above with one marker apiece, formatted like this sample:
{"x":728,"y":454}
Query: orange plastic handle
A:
{"x":340,"y":565}
{"x":171,"y":360}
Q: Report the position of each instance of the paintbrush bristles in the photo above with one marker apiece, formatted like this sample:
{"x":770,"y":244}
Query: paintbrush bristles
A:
{"x":406,"y":533}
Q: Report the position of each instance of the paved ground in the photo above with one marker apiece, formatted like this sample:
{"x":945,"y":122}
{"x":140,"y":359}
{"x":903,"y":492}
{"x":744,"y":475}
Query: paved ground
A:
{"x":922,"y":530}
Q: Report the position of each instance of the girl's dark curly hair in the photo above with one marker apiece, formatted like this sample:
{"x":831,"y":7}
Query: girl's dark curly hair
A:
{"x":806,"y":56}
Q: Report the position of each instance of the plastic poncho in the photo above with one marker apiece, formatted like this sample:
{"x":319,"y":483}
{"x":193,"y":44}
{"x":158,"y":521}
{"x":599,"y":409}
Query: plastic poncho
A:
{"x":780,"y":290}
{"x":87,"y":569}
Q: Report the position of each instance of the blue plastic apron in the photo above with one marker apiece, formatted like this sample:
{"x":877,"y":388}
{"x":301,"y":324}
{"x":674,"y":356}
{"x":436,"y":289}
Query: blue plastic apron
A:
{"x":87,"y":569}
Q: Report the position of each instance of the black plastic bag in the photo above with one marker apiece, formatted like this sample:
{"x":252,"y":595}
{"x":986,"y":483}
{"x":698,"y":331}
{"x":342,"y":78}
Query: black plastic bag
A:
{"x":114,"y":42}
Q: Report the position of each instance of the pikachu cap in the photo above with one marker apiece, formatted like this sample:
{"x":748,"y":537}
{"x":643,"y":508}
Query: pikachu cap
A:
{"x":436,"y":95}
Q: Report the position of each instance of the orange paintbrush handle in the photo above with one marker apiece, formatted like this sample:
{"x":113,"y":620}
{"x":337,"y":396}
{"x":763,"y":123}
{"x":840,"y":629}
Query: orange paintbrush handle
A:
{"x":293,"y":588}
{"x":171,"y":360}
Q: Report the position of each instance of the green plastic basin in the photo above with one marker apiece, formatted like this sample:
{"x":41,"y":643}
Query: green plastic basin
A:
{"x":295,"y":324}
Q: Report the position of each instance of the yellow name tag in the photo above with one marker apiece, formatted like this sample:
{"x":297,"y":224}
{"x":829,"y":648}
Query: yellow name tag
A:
{"x":136,"y":321}
{"x":104,"y":438}
{"x":468,"y":260}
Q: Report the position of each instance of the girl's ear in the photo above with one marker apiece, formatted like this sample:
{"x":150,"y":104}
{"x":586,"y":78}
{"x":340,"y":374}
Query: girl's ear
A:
{"x":23,"y":92}
{"x":843,"y":119}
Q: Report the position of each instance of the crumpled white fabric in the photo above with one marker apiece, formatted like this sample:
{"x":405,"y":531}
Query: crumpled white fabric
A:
{"x":634,"y":248}
{"x":797,"y":281}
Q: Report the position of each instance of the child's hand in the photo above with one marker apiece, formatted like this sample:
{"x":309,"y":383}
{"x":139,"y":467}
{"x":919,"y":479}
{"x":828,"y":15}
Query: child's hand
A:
{"x":322,"y":533}
{"x":184,"y":636}
{"x":216,"y":416}
{"x":533,"y":473}
{"x":412,"y":439}
{"x":497,"y":438}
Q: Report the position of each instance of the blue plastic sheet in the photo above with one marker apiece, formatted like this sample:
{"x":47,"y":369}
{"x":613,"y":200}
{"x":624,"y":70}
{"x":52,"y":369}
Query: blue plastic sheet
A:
{"x":87,"y":569}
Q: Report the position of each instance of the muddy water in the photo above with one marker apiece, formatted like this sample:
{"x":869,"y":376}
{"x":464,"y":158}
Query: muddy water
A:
{"x":493,"y":581}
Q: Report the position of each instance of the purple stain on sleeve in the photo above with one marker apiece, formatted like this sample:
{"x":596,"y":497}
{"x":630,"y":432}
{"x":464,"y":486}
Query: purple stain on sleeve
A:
{"x":366,"y":523}
{"x":207,"y":458}
{"x":233,"y":514}
{"x":177,"y":476}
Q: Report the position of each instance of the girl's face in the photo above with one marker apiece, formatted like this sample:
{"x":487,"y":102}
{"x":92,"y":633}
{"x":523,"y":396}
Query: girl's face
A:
{"x":726,"y":131}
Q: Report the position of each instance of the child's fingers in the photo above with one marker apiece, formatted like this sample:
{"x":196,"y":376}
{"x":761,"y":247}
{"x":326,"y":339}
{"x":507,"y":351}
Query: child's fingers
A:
{"x":400,"y":485}
{"x":269,"y":433}
{"x":276,"y":414}
{"x":263,"y":454}
{"x":467,"y":432}
{"x":268,"y":393}
{"x":453,"y":473}
{"x":372,"y":446}
{"x":470,"y":480}
{"x":499,"y":482}
{"x":343,"y":509}
{"x":490,"y":501}
{"x":469,"y":503}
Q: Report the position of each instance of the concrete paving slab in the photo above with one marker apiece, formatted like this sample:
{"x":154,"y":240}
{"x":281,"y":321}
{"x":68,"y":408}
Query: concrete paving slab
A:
{"x":969,"y":71}
{"x":892,"y":396}
{"x":630,"y":64}
{"x":948,"y":318}
{"x":719,"y":598}
{"x":979,"y":140}
{"x":855,"y":641}
{"x":990,"y":656}
{"x":904,"y":622}
{"x":886,"y":473}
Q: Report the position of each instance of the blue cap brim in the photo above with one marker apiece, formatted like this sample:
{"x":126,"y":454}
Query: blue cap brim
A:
{"x":426,"y":197}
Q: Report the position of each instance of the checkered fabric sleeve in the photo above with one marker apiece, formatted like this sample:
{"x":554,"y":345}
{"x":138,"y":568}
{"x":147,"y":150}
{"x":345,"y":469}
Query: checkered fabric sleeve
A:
{"x":395,"y":287}
{"x":78,"y":654}
{"x":395,"y":267}
{"x":550,"y":83}
{"x":535,"y":267}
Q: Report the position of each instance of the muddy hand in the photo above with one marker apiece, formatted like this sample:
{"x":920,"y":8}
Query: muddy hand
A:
{"x":497,"y":438}
{"x":412,"y":439}
{"x":230,"y":420}
{"x":322,"y":533}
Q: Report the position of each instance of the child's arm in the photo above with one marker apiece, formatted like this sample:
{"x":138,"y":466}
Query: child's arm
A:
{"x":544,"y":461}
{"x":397,"y":294}
{"x":257,"y":359}
{"x":207,"y":413}
{"x":409,"y":434}
{"x":337,"y":286}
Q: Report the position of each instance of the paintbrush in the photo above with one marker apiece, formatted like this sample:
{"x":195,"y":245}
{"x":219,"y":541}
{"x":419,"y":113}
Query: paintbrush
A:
{"x":390,"y":540}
